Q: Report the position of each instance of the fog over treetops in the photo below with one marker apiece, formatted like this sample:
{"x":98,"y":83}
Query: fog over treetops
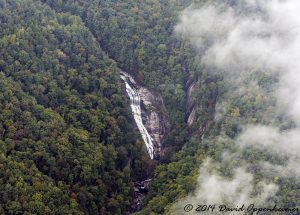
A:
{"x":238,"y":41}
{"x":112,"y":107}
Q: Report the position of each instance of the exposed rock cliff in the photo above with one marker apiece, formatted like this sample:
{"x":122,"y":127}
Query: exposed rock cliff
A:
{"x":190,"y":103}
{"x":149,"y":113}
{"x":154,"y":117}
{"x":196,"y":120}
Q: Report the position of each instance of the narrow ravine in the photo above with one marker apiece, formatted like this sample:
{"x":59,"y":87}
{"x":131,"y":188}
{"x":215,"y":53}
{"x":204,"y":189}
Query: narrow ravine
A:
{"x":135,"y":105}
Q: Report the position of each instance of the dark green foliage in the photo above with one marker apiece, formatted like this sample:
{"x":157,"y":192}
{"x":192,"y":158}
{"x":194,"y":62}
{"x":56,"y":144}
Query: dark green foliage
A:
{"x":67,"y":138}
{"x":139,"y":35}
{"x":63,"y":119}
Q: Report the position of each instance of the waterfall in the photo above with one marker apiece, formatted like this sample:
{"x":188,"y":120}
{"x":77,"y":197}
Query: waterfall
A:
{"x":133,"y":93}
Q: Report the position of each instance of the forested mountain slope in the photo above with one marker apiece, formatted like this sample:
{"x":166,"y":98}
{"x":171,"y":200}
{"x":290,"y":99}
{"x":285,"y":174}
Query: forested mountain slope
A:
{"x":68,"y":141}
{"x":139,"y":36}
{"x":66,"y":133}
{"x":63,"y":115}
{"x":144,"y":43}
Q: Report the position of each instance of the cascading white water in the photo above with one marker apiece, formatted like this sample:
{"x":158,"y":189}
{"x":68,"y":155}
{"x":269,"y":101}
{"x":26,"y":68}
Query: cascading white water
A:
{"x":135,"y":105}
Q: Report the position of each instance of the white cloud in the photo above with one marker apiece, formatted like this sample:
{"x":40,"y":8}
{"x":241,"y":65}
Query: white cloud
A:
{"x":214,"y":189}
{"x":236,"y":40}
{"x":253,"y":36}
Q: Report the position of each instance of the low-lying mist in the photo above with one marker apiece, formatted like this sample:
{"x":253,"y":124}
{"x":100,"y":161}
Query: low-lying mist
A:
{"x":238,"y":39}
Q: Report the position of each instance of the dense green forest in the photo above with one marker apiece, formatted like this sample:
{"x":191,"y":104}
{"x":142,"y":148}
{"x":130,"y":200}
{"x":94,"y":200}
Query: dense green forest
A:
{"x":67,"y":137}
{"x":67,"y":143}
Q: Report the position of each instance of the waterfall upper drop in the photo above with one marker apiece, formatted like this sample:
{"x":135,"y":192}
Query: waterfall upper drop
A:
{"x":147,"y":107}
{"x":135,"y":104}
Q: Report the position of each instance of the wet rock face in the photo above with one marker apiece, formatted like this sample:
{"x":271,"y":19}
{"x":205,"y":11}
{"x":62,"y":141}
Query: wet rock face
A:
{"x":199,"y":123}
{"x":190,"y":103}
{"x":154,"y":117}
{"x":149,"y":113}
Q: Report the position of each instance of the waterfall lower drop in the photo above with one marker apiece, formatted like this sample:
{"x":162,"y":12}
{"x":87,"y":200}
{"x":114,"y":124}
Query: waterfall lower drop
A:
{"x":135,"y":105}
